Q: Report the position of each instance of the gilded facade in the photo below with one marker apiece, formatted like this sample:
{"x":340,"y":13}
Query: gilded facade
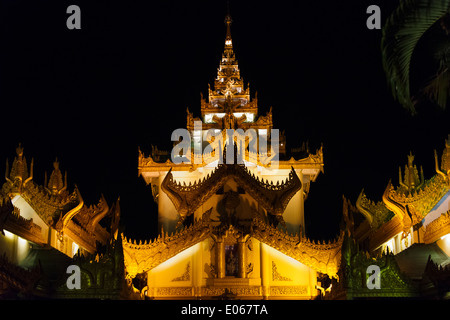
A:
{"x":231,"y":220}
{"x":231,"y":228}
{"x":44,"y":227}
{"x":405,"y":235}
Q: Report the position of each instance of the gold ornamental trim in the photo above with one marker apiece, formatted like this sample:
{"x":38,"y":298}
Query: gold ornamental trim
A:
{"x":142,"y":257}
{"x":438,"y":228}
{"x":175,"y":291}
{"x":289,"y":290}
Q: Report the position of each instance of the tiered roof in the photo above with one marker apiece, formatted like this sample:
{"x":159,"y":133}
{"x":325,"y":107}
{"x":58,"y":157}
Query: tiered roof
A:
{"x":229,"y":106}
{"x":60,"y":209}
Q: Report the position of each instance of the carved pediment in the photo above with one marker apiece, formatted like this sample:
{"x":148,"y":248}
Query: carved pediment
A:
{"x":273,"y":197}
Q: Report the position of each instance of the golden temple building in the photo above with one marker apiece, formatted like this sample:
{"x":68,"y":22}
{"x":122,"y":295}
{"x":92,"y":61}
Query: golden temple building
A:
{"x":406,"y":234}
{"x":230,"y":228}
{"x":45,"y":228}
{"x":230,"y":202}
{"x":236,"y":229}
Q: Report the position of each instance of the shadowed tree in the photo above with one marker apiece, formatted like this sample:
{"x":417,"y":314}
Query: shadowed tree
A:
{"x":427,"y":21}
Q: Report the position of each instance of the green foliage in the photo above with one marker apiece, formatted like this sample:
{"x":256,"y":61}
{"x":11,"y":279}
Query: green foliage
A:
{"x":403,"y":29}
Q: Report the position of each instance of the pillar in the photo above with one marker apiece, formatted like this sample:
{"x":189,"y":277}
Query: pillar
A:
{"x":220,"y":254}
{"x":265,"y":271}
{"x":241,"y":258}
{"x":197,"y":272}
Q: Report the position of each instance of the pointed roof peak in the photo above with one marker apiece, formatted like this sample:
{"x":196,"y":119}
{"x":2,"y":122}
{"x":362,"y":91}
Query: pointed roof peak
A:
{"x":228,"y":21}
{"x":228,"y":16}
{"x":228,"y":41}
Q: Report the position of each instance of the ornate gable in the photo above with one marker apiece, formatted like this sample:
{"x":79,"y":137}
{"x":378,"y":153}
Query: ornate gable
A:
{"x":273,"y":197}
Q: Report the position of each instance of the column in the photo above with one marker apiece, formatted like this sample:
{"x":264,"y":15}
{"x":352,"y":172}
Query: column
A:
{"x":265,"y":271}
{"x":197,"y":272}
{"x":220,"y":254}
{"x":241,"y":258}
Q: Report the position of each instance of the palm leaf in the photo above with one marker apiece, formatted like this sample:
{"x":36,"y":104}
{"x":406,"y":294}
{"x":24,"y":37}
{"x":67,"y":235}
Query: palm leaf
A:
{"x":438,"y":89}
{"x":401,"y":33}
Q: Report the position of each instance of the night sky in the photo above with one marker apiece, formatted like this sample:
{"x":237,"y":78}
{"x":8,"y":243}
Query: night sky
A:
{"x":90,"y":97}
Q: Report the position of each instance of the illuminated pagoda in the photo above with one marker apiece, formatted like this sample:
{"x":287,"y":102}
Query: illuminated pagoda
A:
{"x":407,"y":235}
{"x":230,"y":201}
{"x":45,"y":228}
{"x":231,"y":218}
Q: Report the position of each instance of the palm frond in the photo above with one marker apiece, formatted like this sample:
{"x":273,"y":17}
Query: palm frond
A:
{"x":401,"y":33}
{"x":438,"y":89}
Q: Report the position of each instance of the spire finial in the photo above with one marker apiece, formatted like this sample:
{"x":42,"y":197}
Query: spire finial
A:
{"x":228,"y":21}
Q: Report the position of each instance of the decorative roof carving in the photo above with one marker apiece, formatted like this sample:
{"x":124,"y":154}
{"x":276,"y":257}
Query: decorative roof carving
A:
{"x":147,"y":164}
{"x":145,"y":256}
{"x":56,"y":185}
{"x":410,"y":182}
{"x":376,"y":213}
{"x":89,"y":217}
{"x":412,"y":208}
{"x":59,"y":209}
{"x":85,"y":227}
{"x":444,"y":171}
{"x":273,"y":197}
{"x":322,"y":257}
{"x":50,"y":207}
{"x":24,"y":228}
{"x":413,"y":199}
{"x":437,"y":228}
{"x":410,"y":202}
{"x":18,"y":177}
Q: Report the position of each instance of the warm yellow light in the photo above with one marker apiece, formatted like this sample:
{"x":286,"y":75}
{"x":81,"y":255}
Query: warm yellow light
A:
{"x":13,"y":200}
{"x":390,"y":244}
{"x":75,"y":248}
{"x":8,"y":234}
{"x":228,"y":42}
{"x":22,"y":247}
{"x":281,"y":256}
{"x":249,"y":116}
{"x":22,"y":243}
{"x":179,"y":257}
{"x":447,"y":236}
{"x":209,"y":117}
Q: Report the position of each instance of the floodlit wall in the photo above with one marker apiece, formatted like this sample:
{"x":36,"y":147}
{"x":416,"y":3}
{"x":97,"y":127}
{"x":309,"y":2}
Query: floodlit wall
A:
{"x":444,"y":244}
{"x":270,"y":274}
{"x":286,"y":277}
{"x":15,"y":247}
{"x":27,"y":212}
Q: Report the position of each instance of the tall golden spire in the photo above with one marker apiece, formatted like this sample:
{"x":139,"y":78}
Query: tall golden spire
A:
{"x":228,"y":41}
{"x":229,"y":98}
{"x":228,"y":82}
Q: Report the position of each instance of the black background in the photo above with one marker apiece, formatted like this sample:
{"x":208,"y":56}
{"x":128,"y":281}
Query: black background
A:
{"x":90,"y":97}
